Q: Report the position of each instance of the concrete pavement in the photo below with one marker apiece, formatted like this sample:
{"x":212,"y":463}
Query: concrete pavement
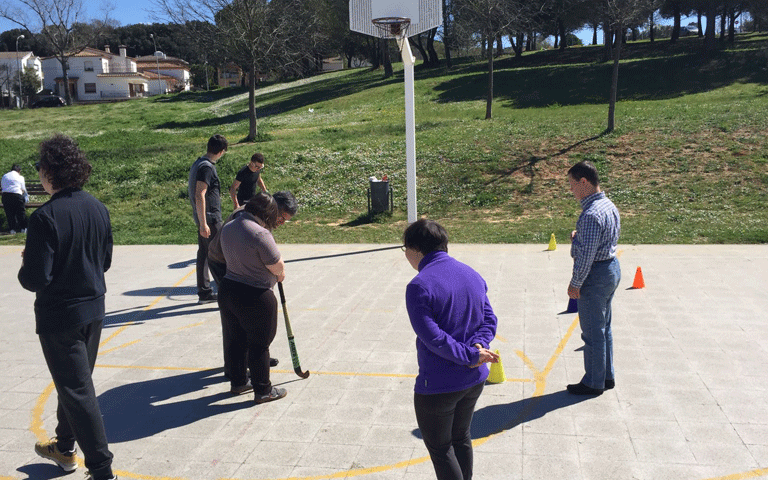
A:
{"x":691,"y":400}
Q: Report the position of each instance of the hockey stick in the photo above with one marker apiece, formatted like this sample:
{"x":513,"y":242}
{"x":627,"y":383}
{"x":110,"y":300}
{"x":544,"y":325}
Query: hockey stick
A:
{"x":291,"y":342}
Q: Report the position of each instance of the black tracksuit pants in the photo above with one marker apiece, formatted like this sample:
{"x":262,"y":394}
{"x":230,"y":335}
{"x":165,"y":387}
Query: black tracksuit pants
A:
{"x":71,"y":356}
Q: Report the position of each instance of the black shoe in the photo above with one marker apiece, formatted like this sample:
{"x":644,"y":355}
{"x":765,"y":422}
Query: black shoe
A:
{"x":208,"y":299}
{"x":273,"y":362}
{"x":241,"y":389}
{"x":609,"y":384}
{"x":581,"y":389}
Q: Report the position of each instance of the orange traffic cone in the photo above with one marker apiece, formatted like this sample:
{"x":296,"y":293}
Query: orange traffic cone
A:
{"x":639,"y":282}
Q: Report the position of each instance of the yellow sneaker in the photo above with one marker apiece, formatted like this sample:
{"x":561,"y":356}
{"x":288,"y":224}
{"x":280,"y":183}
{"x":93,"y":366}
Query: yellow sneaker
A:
{"x":50,"y":450}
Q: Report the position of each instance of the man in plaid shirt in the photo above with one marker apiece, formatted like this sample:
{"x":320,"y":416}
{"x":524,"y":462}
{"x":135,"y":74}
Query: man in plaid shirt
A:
{"x":596,"y":275}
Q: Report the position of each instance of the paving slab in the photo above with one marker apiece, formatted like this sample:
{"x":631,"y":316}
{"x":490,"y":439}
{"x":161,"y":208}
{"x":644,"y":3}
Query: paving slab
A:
{"x":691,"y":348}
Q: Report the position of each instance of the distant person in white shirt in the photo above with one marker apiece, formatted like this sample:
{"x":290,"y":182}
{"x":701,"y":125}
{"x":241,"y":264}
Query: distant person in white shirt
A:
{"x":14,"y":197}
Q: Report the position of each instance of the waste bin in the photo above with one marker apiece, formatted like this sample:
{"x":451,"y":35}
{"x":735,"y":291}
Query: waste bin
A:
{"x":379,"y":196}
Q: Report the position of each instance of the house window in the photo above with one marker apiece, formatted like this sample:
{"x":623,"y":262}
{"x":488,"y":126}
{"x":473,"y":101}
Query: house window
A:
{"x":90,"y":88}
{"x":88,"y":66}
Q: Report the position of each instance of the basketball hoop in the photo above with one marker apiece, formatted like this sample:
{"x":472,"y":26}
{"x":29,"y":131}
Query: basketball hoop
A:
{"x":392,"y":27}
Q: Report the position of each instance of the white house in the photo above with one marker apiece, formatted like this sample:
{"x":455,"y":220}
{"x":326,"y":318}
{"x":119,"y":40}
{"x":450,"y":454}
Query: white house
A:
{"x":96,"y":75}
{"x":9,"y":70}
{"x":174,"y":73}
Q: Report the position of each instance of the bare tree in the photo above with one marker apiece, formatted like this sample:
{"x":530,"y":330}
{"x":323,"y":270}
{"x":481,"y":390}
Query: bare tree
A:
{"x":620,"y":14}
{"x":61,"y":23}
{"x":260,"y":35}
{"x":490,"y":18}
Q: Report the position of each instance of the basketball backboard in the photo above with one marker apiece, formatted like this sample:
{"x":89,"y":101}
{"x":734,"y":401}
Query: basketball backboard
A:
{"x":423,"y":14}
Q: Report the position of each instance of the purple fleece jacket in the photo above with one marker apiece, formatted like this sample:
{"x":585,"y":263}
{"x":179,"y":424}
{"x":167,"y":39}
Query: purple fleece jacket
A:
{"x":450,"y":312}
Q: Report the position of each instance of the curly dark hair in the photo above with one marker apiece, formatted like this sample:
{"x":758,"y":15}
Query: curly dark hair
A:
{"x":63,"y":162}
{"x":263,"y":207}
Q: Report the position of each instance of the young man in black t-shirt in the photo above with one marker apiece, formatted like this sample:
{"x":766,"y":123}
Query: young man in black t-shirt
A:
{"x":246,"y":180}
{"x":205,"y":196}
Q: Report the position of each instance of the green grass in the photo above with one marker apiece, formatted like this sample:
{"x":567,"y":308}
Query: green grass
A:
{"x":688,"y":162}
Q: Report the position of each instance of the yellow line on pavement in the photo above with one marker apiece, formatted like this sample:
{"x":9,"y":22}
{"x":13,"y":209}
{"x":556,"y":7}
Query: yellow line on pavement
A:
{"x":739,"y":476}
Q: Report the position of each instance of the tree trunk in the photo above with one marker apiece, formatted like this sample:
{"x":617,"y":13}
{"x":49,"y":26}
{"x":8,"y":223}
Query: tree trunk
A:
{"x":434,"y":60}
{"x":252,"y":130}
{"x":614,"y":86}
{"x":561,"y":30}
{"x":651,"y":36}
{"x":676,"y":25}
{"x":698,"y":23}
{"x":373,"y":47}
{"x":732,"y":26}
{"x":499,"y":46}
{"x":517,"y":44}
{"x":594,"y":35}
{"x":722,"y":25}
{"x":482,"y":45}
{"x":418,"y":46}
{"x":385,"y":56}
{"x":65,"y":75}
{"x":709,"y":37}
{"x":607,"y":42}
{"x":489,"y":101}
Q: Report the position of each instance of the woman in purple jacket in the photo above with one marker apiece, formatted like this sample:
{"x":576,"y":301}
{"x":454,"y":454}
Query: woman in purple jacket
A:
{"x":454,"y":324}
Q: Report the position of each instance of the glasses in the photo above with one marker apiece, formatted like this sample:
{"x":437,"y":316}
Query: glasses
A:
{"x":282,"y":218}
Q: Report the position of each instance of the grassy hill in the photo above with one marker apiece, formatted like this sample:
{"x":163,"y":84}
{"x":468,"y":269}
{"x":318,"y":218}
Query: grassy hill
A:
{"x":688,"y":162}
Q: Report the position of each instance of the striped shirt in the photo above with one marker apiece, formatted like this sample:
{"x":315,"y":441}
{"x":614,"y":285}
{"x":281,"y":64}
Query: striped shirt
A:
{"x":597,"y":233}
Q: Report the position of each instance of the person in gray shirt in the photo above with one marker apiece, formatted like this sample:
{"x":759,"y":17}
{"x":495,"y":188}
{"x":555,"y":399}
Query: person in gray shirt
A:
{"x":247,"y":304}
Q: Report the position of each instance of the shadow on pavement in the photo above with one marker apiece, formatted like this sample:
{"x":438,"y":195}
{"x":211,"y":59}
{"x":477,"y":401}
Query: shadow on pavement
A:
{"x":143,"y":409}
{"x":498,"y":418}
{"x":44,"y":471}
{"x":121,"y":317}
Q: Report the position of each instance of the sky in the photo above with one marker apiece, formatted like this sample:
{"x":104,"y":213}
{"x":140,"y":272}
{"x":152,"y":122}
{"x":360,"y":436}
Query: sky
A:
{"x":125,"y":12}
{"x":144,"y":11}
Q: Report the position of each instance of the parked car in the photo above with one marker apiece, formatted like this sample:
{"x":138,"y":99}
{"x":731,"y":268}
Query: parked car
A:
{"x":689,"y":30}
{"x":49,"y":101}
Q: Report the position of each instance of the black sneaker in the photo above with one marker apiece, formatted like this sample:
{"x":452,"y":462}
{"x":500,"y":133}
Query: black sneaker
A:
{"x":581,"y":389}
{"x":273,"y":362}
{"x":208,"y":299}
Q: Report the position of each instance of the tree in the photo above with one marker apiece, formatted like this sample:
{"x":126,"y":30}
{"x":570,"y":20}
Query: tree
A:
{"x":60,"y":23}
{"x":30,"y":82}
{"x":619,"y":15}
{"x":490,"y":18}
{"x":259,"y":35}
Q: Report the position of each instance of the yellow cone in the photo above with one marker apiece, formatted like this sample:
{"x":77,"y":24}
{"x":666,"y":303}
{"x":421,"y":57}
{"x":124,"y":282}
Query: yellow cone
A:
{"x":497,"y":372}
{"x":552,"y":243}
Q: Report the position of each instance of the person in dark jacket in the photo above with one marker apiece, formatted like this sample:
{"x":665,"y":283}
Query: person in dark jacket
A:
{"x":68,"y":249}
{"x":454,"y":325}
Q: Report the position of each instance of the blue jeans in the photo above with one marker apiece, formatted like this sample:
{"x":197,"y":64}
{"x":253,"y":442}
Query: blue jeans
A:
{"x":595,"y":319}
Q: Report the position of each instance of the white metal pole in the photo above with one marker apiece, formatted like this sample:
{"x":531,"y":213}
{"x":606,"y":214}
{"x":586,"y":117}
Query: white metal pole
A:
{"x":410,"y":126}
{"x":18,"y":57}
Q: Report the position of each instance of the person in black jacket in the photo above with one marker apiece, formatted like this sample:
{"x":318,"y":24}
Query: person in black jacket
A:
{"x":68,"y":249}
